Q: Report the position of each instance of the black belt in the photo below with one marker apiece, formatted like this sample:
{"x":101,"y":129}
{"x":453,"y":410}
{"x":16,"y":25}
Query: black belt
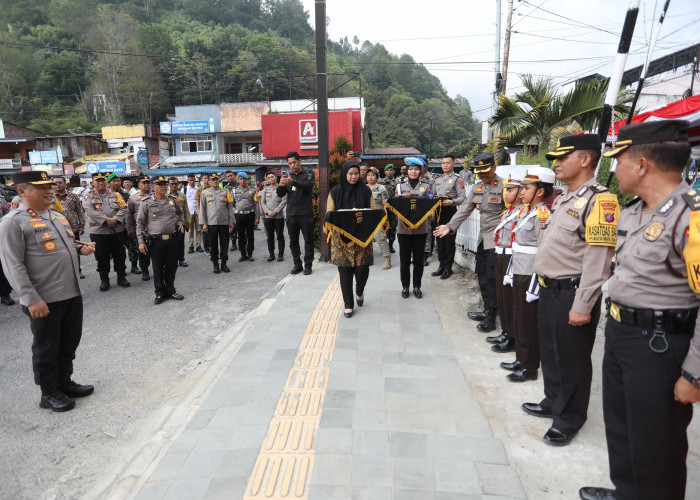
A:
{"x":673,"y":320}
{"x":162,"y":236}
{"x":560,"y":284}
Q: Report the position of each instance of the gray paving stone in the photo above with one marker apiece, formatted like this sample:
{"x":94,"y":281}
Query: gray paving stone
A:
{"x":369,"y":344}
{"x":404,"y":494}
{"x":285,"y":354}
{"x":342,"y":382}
{"x":343,"y":368}
{"x":373,"y":471}
{"x":393,"y":358}
{"x":416,"y":347}
{"x":186,"y":440}
{"x":467,"y":448}
{"x":226,"y":488}
{"x":424,"y":372}
{"x":456,"y":477}
{"x":169,"y":465}
{"x":446,"y":495}
{"x":346,"y":344}
{"x":187,"y":489}
{"x":325,"y":492}
{"x":346,"y":333}
{"x":340,"y":418}
{"x":433,"y":403}
{"x":371,"y":493}
{"x":200,"y":465}
{"x":153,"y":490}
{"x":401,"y":421}
{"x":413,"y":473}
{"x":408,"y":444}
{"x":473,"y":425}
{"x":499,"y":480}
{"x":332,"y":469}
{"x":236,"y":397}
{"x":247,"y":436}
{"x":215,"y":438}
{"x":236,"y":463}
{"x":368,"y":420}
{"x":345,"y":354}
{"x":369,"y":400}
{"x":398,"y":401}
{"x":419,"y":387}
{"x":335,"y":441}
{"x":439,"y":423}
{"x":374,"y":443}
{"x":248,"y":347}
{"x":369,"y":356}
{"x":420,"y":359}
{"x":339,"y":399}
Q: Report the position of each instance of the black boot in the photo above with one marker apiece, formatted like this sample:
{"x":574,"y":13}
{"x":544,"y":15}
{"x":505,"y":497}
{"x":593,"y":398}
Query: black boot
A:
{"x":425,"y":261}
{"x":104,"y":283}
{"x":477,"y":315}
{"x":271,"y":257}
{"x":224,"y":267}
{"x":6,"y":300}
{"x":498,"y":339}
{"x":145,"y":276}
{"x":439,"y":271}
{"x":391,"y":247}
{"x":135,"y":268}
{"x":121,"y":280}
{"x":280,"y":257}
{"x":57,"y":401}
{"x":217,"y":269}
{"x":489,"y":323}
{"x":507,"y":345}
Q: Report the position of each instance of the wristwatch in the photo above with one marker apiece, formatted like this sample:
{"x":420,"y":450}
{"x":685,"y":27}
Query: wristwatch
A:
{"x":693,"y":380}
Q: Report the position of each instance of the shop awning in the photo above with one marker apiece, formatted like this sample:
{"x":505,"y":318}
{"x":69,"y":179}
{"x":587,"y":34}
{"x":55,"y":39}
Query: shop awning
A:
{"x":193,"y":169}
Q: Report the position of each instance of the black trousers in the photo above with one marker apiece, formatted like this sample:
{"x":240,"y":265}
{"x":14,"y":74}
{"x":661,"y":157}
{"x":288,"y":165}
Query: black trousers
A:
{"x":275,"y":227}
{"x":234,"y":235}
{"x":446,"y":251}
{"x":164,"y":259}
{"x":305,"y":225}
{"x":565,"y":356}
{"x":346,"y":274}
{"x":218,"y":239}
{"x":110,"y":246}
{"x":411,"y":246}
{"x":205,"y":240}
{"x":504,"y":295}
{"x":527,"y":345}
{"x":180,"y":238}
{"x":245,"y":224}
{"x":56,"y":338}
{"x":486,"y":274}
{"x":5,"y":287}
{"x":644,"y":426}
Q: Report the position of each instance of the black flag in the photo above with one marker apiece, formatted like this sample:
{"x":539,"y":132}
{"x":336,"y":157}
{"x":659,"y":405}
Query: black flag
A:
{"x":412,"y":211}
{"x":357,"y":225}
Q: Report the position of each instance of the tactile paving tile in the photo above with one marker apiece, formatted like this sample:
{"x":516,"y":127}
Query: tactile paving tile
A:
{"x":286,"y":458}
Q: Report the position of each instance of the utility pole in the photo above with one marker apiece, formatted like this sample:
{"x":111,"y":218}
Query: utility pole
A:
{"x":506,"y":51}
{"x":322,"y":116}
{"x":498,"y":55}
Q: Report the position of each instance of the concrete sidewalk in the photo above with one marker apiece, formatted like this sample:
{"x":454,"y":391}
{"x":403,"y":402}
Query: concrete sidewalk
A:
{"x":403,"y":400}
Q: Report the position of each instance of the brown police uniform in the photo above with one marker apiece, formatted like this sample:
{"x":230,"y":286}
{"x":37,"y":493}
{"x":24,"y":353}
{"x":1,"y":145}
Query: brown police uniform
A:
{"x":270,"y":201}
{"x":216,"y":212}
{"x":246,"y":212}
{"x":504,"y":291}
{"x":132,"y":206}
{"x":450,"y":187}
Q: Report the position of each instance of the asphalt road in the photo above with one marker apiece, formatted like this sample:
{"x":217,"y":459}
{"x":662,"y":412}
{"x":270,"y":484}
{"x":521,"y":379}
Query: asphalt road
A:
{"x":138,"y":355}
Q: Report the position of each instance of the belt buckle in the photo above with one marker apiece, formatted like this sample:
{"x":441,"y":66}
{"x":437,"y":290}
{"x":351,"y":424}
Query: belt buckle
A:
{"x":541,"y":281}
{"x":165,"y":237}
{"x":615,"y":311}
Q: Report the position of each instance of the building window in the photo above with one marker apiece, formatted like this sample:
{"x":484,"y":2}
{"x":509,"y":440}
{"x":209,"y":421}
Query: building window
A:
{"x":253,"y":147}
{"x":195,"y":144}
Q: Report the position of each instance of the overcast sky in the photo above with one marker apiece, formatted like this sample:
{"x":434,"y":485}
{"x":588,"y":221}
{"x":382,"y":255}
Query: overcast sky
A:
{"x":455,"y":39}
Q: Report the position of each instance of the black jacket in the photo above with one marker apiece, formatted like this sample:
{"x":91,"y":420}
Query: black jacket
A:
{"x":299,"y":199}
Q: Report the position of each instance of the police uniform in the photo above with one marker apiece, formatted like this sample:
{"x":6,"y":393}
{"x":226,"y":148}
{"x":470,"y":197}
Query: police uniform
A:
{"x":132,"y":206}
{"x":5,"y":287}
{"x":246,"y":210}
{"x":157,"y":224}
{"x":651,"y":333}
{"x":109,"y":241}
{"x":390,"y":186}
{"x":488,"y":199}
{"x":234,"y":232}
{"x":181,"y":199}
{"x":572,"y":263}
{"x":428,"y":177}
{"x":270,"y":201}
{"x":216,"y":212}
{"x":450,"y":187}
{"x":380,"y":197}
{"x":40,"y":258}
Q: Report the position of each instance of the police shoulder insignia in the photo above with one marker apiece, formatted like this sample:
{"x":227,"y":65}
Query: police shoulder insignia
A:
{"x":460,"y":181}
{"x":15,"y":204}
{"x":692,"y":198}
{"x":601,"y":224}
{"x":599,"y":188}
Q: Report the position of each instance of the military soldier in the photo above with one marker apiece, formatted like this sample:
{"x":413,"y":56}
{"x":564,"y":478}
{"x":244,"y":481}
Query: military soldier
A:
{"x":651,"y":366}
{"x":572,"y":263}
{"x":115,"y":184}
{"x":450,"y":188}
{"x":216,"y":216}
{"x":174,"y":192}
{"x":272,"y":207}
{"x":40,"y":258}
{"x":389,"y":183}
{"x":132,"y":210}
{"x":487,"y":197}
{"x":158,"y":220}
{"x":245,"y":199}
{"x":106,"y":213}
{"x":380,"y":198}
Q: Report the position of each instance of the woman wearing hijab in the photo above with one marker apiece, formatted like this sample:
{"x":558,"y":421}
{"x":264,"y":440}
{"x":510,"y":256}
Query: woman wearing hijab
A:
{"x":353,"y":261}
{"x":412,"y":241}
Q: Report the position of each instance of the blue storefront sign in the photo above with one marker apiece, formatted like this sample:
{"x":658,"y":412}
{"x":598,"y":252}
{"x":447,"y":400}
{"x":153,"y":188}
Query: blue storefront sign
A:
{"x":116,"y":167}
{"x":43,"y":157}
{"x":192,"y":127}
{"x":142,"y":159}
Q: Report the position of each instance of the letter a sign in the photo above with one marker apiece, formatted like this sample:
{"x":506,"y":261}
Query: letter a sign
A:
{"x":308,"y":131}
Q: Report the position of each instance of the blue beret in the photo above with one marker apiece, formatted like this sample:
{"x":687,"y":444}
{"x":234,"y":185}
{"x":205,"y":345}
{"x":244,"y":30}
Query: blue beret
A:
{"x":243,"y":175}
{"x":411,"y":161}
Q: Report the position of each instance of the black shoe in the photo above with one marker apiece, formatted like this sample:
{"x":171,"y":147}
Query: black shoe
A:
{"x":159,"y":299}
{"x":489,"y":323}
{"x":271,"y":257}
{"x":438,"y":272}
{"x":7,"y":300}
{"x":497,"y":339}
{"x":82,"y":276}
{"x":477,"y":316}
{"x":360,"y":302}
{"x":418,"y":293}
{"x":405,"y":293}
{"x":280,"y":257}
{"x":176,"y":296}
{"x":251,"y":259}
{"x":425,"y":262}
{"x":225,"y":268}
{"x":536,"y":410}
{"x":200,"y":249}
{"x":135,"y":269}
{"x":217,"y":269}
{"x":512,"y":367}
{"x":243,"y":258}
{"x":555,"y":437}
{"x":447,"y":274}
{"x":523,"y":375}
{"x":57,"y":401}
{"x":234,"y":247}
{"x":595,"y":493}
{"x":75,"y":390}
{"x":145,"y":276}
{"x":257,"y":228}
{"x":507,"y":345}
{"x":191,"y":250}
{"x":121,"y":281}
{"x":104,"y":284}
{"x":348,"y":314}
{"x":183,"y":263}
{"x":296,"y":270}
{"x":307,"y":271}
{"x":391,"y":248}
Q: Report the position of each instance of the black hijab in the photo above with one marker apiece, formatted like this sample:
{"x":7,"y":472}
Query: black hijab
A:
{"x":349,"y":196}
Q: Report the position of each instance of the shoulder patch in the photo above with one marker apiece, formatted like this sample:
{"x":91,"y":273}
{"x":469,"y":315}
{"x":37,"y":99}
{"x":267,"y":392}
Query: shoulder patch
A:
{"x":479,"y":189}
{"x":543,"y":212}
{"x":599,"y":188}
{"x":692,"y":198}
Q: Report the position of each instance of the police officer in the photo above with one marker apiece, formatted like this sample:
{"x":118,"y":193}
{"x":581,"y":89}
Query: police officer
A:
{"x":106,"y":212}
{"x":272,"y":206}
{"x":487,"y":197}
{"x":572,"y":263}
{"x":245,"y":198}
{"x":177,"y":195}
{"x":40,"y":258}
{"x":450,"y":187}
{"x":651,"y":366}
{"x":158,"y":220}
{"x":389,"y":183}
{"x":230,"y":183}
{"x":217,"y":218}
{"x":130,"y":242}
{"x":132,"y":210}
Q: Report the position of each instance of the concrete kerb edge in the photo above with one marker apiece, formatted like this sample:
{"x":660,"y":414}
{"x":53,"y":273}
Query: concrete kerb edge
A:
{"x":169,"y":422}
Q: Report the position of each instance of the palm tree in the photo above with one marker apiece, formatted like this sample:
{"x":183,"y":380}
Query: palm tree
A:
{"x":536,"y":112}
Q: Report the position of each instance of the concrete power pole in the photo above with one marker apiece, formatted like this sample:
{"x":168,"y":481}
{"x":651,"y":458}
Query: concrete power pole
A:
{"x":506,"y":51}
{"x":498,"y":56}
{"x":322,"y":116}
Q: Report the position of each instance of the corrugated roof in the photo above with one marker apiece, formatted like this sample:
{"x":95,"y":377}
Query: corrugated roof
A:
{"x":393,"y":152}
{"x":193,"y":169}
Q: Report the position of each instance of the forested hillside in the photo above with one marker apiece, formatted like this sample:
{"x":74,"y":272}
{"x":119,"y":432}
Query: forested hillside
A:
{"x":82,"y":64}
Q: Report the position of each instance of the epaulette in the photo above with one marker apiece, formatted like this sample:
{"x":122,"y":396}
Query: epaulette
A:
{"x":598,"y":188}
{"x":582,"y":190}
{"x":634,"y":201}
{"x":692,"y":198}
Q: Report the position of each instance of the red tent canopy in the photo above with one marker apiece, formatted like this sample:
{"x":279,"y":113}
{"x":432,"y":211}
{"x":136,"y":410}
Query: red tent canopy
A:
{"x":685,"y":109}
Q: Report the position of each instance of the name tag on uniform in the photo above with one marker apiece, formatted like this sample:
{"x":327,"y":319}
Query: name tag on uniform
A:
{"x":495,"y":199}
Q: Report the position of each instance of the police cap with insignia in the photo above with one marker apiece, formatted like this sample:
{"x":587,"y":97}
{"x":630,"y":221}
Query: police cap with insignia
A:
{"x":144,"y":178}
{"x":159,"y":179}
{"x":214,"y":177}
{"x":539,"y":174}
{"x":99,"y":176}
{"x":482,"y":163}
{"x":650,"y":132}
{"x":577,"y":142}
{"x":34,"y":177}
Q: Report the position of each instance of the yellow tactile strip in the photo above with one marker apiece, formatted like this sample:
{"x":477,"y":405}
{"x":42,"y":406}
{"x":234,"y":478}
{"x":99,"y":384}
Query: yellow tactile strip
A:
{"x":286,"y":458}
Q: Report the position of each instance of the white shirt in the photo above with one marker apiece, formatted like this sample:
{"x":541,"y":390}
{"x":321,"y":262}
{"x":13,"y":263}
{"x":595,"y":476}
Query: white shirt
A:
{"x":191,"y":203}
